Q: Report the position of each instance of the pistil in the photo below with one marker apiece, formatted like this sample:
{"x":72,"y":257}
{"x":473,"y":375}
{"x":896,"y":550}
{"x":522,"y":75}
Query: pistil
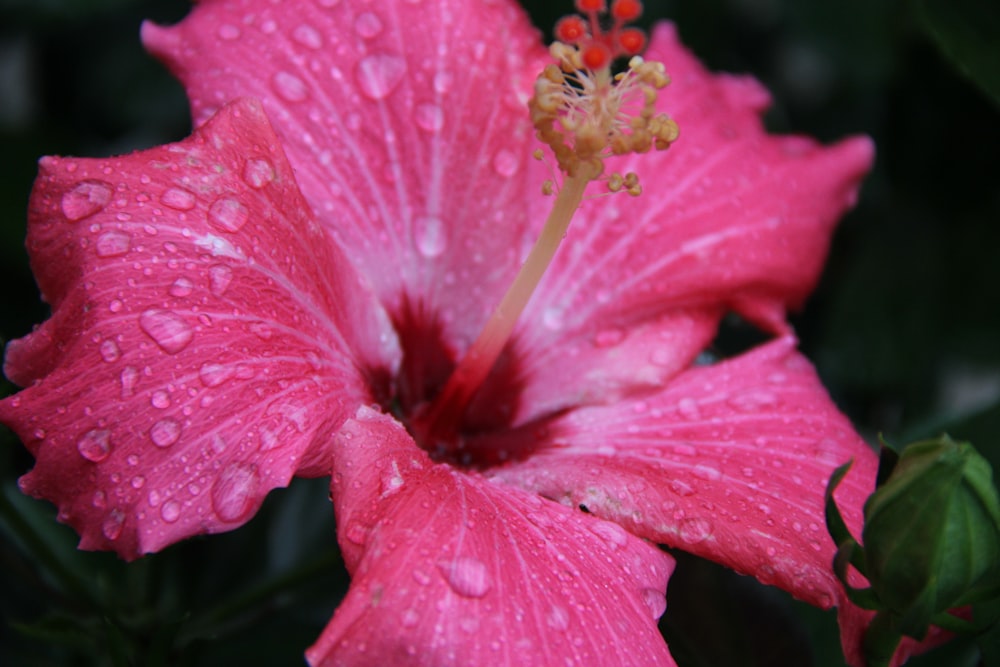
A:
{"x":585,"y":114}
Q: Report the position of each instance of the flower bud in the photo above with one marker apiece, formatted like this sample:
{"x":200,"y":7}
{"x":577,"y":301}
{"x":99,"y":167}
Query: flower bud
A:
{"x":932,"y":533}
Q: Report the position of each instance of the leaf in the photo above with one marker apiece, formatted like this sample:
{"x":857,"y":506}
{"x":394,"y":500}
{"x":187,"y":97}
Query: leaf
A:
{"x":968,"y":32}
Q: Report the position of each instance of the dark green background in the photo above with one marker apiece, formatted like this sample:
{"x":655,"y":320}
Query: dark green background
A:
{"x":904,"y":327}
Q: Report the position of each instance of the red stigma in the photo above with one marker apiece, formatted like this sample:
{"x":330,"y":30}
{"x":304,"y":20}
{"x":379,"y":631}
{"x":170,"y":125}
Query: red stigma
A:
{"x":596,"y":56}
{"x":570,"y":29}
{"x":589,"y":6}
{"x":626,"y":10}
{"x":632,"y":41}
{"x":599,"y":46}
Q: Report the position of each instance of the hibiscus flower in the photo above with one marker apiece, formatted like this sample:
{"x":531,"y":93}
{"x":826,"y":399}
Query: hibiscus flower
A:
{"x":285,"y":292}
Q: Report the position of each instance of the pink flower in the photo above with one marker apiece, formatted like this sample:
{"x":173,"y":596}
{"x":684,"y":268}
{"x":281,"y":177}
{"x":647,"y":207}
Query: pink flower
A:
{"x":253,"y":304}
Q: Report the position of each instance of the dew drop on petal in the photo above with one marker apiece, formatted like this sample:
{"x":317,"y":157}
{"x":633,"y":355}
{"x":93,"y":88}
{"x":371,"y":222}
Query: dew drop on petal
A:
{"x":368,"y":25}
{"x":706,"y":472}
{"x":168,"y":330}
{"x":212,"y":375}
{"x":379,"y":74}
{"x":443,"y":82}
{"x":178,"y":199}
{"x":95,"y":444}
{"x":228,"y":214}
{"x":160,"y":400}
{"x":165,"y":432}
{"x":557,"y":618}
{"x":86,"y":199}
{"x":112,"y":525}
{"x":112,"y":244}
{"x":181,"y":287}
{"x":129,"y":376}
{"x":505,"y":162}
{"x":429,"y":117}
{"x":656,"y":601}
{"x":681,"y":488}
{"x":289,"y":88}
{"x":467,"y":576}
{"x":219,"y":277}
{"x":307,"y":36}
{"x":695,"y":530}
{"x":234,"y":491}
{"x":430,"y":236}
{"x":170,"y":511}
{"x":110,"y":351}
{"x":613,"y":534}
{"x":228,"y":32}
{"x":258,"y":172}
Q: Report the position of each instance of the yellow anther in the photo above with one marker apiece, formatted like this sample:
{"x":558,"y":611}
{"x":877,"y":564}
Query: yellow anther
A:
{"x":587,"y":116}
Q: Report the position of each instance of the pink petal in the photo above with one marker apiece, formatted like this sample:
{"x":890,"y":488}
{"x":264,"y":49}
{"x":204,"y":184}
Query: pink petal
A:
{"x":730,"y":462}
{"x":407,"y":128}
{"x":203,"y":330}
{"x":453,"y":569}
{"x":731,"y":218}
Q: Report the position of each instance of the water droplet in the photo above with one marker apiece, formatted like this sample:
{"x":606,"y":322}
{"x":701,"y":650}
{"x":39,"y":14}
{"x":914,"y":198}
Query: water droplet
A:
{"x":695,"y":530}
{"x":178,"y":199}
{"x":160,"y":400}
{"x":261,"y":329}
{"x":410,"y":618}
{"x":609,"y":337}
{"x":229,"y":32}
{"x":138,"y":482}
{"x":368,"y":25}
{"x":95,"y":445}
{"x":307,"y":36}
{"x":258,"y":172}
{"x":431,"y":237}
{"x":467,"y":576}
{"x":86,"y":199}
{"x":168,"y":330}
{"x":557,"y":618}
{"x":379,"y":74}
{"x":234,"y":492}
{"x":828,"y":451}
{"x":212,"y":375}
{"x":552,"y":318}
{"x":228,"y":214}
{"x":443,"y":82}
{"x":112,"y":244}
{"x":688,"y":408}
{"x":706,"y":472}
{"x":181,"y":287}
{"x":505,"y":162}
{"x":357,"y":533}
{"x":421,"y":577}
{"x":611,"y":533}
{"x":655,"y":600}
{"x":753,"y":400}
{"x":112,"y":526}
{"x":289,"y":87}
{"x":165,"y":432}
{"x":170,"y":511}
{"x":681,"y":488}
{"x":129,"y":376}
{"x":429,"y":117}
{"x":110,"y":351}
{"x":219,"y":277}
{"x":100,"y":500}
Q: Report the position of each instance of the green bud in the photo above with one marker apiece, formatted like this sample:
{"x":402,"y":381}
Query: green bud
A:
{"x":932,"y":534}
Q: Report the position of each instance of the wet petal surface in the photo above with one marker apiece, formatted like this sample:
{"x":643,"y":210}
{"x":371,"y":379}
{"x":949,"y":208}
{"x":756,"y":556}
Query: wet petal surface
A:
{"x":453,"y":569}
{"x":203,"y":329}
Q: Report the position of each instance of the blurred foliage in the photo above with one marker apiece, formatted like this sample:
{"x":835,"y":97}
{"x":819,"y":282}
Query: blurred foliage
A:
{"x":904,"y":327}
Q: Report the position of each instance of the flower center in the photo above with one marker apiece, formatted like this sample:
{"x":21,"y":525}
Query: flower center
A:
{"x":585,"y":114}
